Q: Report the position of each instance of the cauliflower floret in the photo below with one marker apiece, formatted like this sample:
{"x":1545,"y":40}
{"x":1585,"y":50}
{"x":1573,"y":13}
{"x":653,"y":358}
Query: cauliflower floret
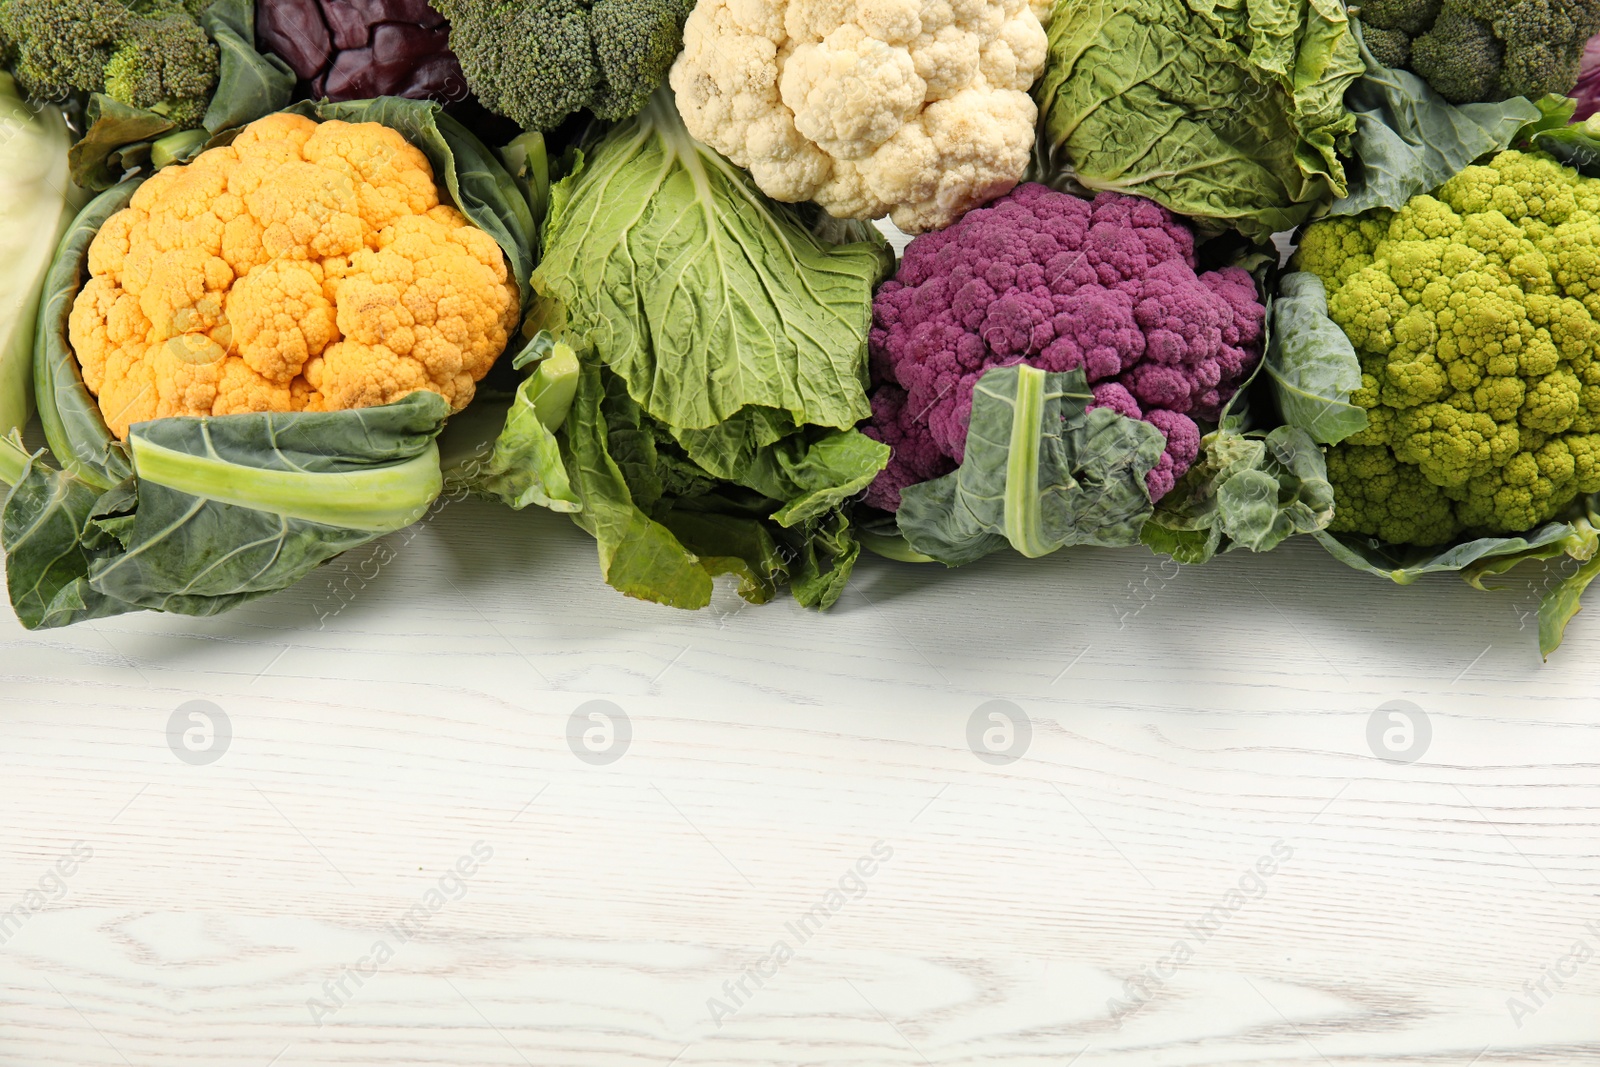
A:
{"x":303,"y":267}
{"x":1108,"y":287}
{"x":918,"y":109}
{"x":1477,"y":313}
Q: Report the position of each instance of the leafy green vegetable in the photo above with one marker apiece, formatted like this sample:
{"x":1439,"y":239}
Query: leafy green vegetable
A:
{"x":1311,"y":364}
{"x":1411,"y":140}
{"x":729,"y":304}
{"x":34,"y":208}
{"x":526,"y":465}
{"x":1231,"y":114}
{"x":1571,"y":544}
{"x":1404,"y":564}
{"x":1577,"y":144}
{"x":1561,"y":603}
{"x":78,"y":437}
{"x":118,"y":136}
{"x":250,"y":84}
{"x":1245,"y":491}
{"x":213,"y":517}
{"x":722,"y":351}
{"x":1040,"y":471}
{"x":1255,"y":486}
{"x":117,"y":140}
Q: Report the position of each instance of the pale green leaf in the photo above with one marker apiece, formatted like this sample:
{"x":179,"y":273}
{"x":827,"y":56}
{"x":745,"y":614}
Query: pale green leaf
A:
{"x":1039,"y":472}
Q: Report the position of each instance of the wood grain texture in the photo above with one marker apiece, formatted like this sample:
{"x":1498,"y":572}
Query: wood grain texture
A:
{"x":1186,"y":727}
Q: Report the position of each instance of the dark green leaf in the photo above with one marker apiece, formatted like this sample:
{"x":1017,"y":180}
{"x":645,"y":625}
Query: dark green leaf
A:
{"x":77,"y":435}
{"x":249,"y":84}
{"x":1410,"y":140}
{"x":1244,"y":491}
{"x":1558,"y":606}
{"x":216,"y":517}
{"x":116,"y":140}
{"x":1404,"y":564}
{"x":1039,"y":472}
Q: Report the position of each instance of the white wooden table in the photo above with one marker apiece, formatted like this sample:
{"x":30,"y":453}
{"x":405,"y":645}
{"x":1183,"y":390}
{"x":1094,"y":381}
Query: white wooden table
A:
{"x":1198,"y":858}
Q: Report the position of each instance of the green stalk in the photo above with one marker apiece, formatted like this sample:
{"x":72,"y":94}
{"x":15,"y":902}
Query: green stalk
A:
{"x":14,"y":458}
{"x":177,"y":147}
{"x":891,"y":546}
{"x":1023,"y":522}
{"x":380,"y":499}
{"x":553,"y":385}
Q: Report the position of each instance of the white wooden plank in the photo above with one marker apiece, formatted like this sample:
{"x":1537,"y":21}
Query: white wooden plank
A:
{"x":1184,"y":724}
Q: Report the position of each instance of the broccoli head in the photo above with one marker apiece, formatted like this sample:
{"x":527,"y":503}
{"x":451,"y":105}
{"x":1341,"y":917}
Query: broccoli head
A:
{"x":1476,"y":315}
{"x":538,"y":61}
{"x":1472,"y":50}
{"x":151,"y":54}
{"x":166,"y":63}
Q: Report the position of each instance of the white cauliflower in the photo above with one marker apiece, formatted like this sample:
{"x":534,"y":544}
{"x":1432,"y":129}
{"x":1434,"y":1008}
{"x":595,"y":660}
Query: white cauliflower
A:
{"x":916,"y":109}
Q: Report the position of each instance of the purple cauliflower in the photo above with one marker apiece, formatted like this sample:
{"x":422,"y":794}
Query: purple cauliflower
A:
{"x":1057,"y":282}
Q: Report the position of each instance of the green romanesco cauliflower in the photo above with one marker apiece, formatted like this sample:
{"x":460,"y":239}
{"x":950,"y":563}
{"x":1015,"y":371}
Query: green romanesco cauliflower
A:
{"x":1476,"y":316}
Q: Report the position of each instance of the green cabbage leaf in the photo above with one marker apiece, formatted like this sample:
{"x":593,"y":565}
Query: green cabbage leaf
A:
{"x":1040,"y":471}
{"x":36,"y":204}
{"x":1230,"y":114}
{"x":712,"y":347}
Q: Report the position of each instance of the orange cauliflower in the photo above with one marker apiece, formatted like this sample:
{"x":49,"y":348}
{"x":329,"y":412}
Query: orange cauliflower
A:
{"x":304,"y":267}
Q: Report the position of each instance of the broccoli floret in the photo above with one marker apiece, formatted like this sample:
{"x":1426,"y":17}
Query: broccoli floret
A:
{"x":635,"y":42}
{"x":1477,"y":347}
{"x":1392,"y":48}
{"x":150,"y":54}
{"x":166,"y":63}
{"x":1409,"y":17}
{"x":61,"y":46}
{"x":1460,"y":57}
{"x":538,"y":61}
{"x":1483,"y":49}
